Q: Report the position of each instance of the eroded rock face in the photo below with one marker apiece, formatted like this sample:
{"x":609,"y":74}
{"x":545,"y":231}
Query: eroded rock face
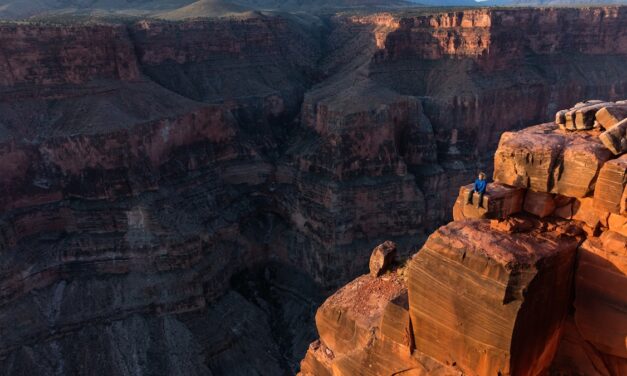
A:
{"x":600,"y":294}
{"x":547,"y":159}
{"x":496,"y":296}
{"x":365,"y":329}
{"x":476,"y":314}
{"x":159,"y":177}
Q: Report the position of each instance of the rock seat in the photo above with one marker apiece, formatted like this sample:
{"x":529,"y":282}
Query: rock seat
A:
{"x":499,"y":201}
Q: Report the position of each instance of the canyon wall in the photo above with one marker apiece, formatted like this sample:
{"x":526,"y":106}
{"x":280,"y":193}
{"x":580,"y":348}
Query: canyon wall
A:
{"x":527,"y":280}
{"x":177,"y":195}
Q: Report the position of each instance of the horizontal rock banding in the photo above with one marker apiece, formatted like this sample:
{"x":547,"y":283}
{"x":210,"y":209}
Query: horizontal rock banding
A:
{"x":495,"y":297}
{"x":466,"y":301}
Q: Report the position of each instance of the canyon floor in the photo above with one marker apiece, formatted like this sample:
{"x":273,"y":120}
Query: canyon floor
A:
{"x":179,"y":196}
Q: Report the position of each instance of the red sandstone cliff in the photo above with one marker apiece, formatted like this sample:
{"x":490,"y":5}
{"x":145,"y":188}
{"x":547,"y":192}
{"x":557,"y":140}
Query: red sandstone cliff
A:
{"x":161,"y":177}
{"x":532,"y":283}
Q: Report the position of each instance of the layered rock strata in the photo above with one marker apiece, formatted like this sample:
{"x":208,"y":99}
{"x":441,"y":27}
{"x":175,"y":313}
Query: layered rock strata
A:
{"x":158,"y":177}
{"x":537,"y":289}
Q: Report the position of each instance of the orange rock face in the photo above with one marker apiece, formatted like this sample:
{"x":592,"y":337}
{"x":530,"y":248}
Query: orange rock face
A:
{"x":540,"y":204}
{"x":365,"y":329}
{"x":492,"y":293}
{"x":610,"y":193}
{"x":546,"y":159}
{"x":476,"y":294}
{"x":600,"y":295}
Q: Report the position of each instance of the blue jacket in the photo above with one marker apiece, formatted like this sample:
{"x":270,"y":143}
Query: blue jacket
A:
{"x":480,"y":185}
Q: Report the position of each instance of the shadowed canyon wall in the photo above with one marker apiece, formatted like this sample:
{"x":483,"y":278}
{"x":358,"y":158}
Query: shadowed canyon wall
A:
{"x":178,"y":197}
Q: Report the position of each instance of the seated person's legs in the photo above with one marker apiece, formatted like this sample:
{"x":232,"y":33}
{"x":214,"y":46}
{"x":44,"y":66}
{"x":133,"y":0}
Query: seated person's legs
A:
{"x":480,"y":204}
{"x":469,"y":200}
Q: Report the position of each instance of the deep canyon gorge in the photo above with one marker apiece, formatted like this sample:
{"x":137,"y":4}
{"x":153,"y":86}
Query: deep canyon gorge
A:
{"x":179,"y":197}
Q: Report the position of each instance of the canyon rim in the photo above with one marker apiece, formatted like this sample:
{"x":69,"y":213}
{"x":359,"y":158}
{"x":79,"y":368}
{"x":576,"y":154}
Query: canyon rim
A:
{"x":189,"y":188}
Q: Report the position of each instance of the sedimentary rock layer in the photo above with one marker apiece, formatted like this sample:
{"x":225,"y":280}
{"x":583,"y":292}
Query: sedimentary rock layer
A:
{"x":496,"y":296}
{"x":475,"y":294}
{"x":158,"y":177}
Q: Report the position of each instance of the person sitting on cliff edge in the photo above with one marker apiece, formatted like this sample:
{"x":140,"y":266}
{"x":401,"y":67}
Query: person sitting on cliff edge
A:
{"x":480,"y":186}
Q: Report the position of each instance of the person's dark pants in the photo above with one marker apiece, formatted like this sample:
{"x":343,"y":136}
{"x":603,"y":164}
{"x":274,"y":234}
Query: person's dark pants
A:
{"x":480,"y":203}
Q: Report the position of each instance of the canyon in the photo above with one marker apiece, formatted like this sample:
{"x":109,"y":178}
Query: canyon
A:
{"x":179,"y":197}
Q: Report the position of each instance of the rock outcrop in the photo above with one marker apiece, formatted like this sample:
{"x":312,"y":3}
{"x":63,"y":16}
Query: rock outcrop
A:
{"x":492,"y":293}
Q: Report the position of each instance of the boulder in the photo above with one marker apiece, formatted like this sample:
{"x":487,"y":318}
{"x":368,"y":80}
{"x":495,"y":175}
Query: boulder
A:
{"x":382,"y":257}
{"x":564,"y":207}
{"x":529,"y":158}
{"x":601,"y":294}
{"x":615,"y":138}
{"x":491,"y":302}
{"x":540,"y":204}
{"x":611,"y":115}
{"x":546,"y":159}
{"x":609,"y":194}
{"x":561,"y":119}
{"x":582,"y":117}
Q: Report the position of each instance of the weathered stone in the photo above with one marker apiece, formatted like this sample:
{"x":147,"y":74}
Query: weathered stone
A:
{"x":601,"y":294}
{"x":383,"y":256}
{"x":611,"y":115}
{"x":609,"y":194}
{"x":615,"y":138}
{"x":540,"y":204}
{"x":365,"y":329}
{"x":585,"y":210}
{"x":545,"y":159}
{"x":499,"y":202}
{"x":618,"y":223}
{"x":512,"y":224}
{"x":345,"y":320}
{"x":395,"y":324}
{"x":490,"y":302}
{"x":581,"y":162}
{"x":317,"y":361}
{"x":560,"y":118}
{"x":564,"y":207}
{"x":582,"y":117}
{"x":528,"y":159}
